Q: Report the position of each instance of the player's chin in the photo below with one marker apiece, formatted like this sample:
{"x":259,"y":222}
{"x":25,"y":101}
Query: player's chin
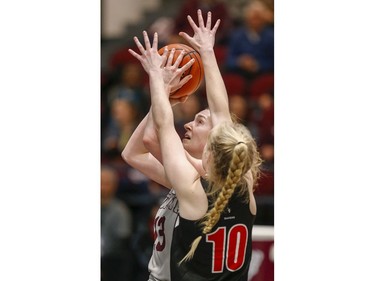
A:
{"x":185,"y":141}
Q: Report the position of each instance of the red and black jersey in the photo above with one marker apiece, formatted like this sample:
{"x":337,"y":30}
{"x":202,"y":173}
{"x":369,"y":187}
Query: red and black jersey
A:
{"x":224,"y":254}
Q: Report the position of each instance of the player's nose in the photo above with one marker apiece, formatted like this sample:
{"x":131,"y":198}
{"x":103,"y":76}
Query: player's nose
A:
{"x":187,"y":126}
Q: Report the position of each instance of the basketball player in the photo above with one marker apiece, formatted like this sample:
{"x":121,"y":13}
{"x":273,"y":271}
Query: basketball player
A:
{"x":190,"y":207}
{"x":138,"y":156}
{"x":212,"y":237}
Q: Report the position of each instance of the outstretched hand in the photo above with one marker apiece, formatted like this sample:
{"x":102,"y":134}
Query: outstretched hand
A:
{"x":153,"y":62}
{"x":150,"y":58}
{"x":204,"y":36}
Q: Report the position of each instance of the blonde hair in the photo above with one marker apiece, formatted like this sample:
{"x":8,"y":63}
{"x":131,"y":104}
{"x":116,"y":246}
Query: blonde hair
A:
{"x":234,"y":153}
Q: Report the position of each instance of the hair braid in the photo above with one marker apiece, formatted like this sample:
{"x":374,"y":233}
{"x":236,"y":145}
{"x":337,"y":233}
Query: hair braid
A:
{"x":235,"y":173}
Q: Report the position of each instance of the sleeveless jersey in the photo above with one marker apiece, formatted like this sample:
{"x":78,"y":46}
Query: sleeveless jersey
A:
{"x":224,"y":254}
{"x":164,"y":224}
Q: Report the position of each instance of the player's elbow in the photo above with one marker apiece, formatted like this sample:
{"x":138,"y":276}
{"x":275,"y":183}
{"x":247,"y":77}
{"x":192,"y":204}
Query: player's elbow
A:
{"x":127,"y":155}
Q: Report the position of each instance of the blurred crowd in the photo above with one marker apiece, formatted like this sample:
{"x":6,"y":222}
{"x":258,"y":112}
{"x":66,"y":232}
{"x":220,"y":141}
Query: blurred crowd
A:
{"x":245,"y":52}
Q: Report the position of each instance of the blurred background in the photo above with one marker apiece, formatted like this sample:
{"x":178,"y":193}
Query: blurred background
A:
{"x":245,"y":52}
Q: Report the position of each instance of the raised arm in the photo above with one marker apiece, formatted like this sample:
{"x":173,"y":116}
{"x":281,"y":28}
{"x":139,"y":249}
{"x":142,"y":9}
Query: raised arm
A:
{"x":142,"y":151}
{"x":203,"y":41}
{"x":179,"y":171}
{"x":172,"y":83}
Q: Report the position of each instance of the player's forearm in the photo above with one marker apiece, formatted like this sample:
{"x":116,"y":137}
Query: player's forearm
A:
{"x":161,"y":108}
{"x":135,"y":147}
{"x":150,"y":139}
{"x":217,"y":96}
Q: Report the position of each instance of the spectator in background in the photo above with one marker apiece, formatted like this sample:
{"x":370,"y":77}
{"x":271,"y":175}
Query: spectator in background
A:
{"x":239,"y":107}
{"x":131,"y":85}
{"x":263,"y":117}
{"x":236,"y":8}
{"x":116,"y":228}
{"x":267,"y":154}
{"x":270,"y":11}
{"x":251,"y":47}
{"x":125,"y":102}
{"x":123,"y":121}
{"x":218,"y":9}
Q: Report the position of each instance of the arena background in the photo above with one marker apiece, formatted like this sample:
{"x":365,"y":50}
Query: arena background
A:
{"x":50,"y":92}
{"x":125,"y":82}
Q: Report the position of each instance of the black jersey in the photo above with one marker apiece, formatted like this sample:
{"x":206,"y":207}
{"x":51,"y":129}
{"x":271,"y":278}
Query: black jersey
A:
{"x":224,"y":254}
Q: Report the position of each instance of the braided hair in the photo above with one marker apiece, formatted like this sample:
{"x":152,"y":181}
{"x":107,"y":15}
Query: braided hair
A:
{"x":234,"y":153}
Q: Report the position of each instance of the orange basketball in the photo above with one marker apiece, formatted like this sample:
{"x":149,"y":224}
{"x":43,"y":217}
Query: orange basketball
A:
{"x":196,"y":69}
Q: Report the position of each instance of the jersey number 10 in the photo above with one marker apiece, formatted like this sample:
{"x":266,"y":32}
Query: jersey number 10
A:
{"x":233,"y":255}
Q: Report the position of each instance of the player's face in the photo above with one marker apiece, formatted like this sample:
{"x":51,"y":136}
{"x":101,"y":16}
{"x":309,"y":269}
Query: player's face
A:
{"x":196,"y":134}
